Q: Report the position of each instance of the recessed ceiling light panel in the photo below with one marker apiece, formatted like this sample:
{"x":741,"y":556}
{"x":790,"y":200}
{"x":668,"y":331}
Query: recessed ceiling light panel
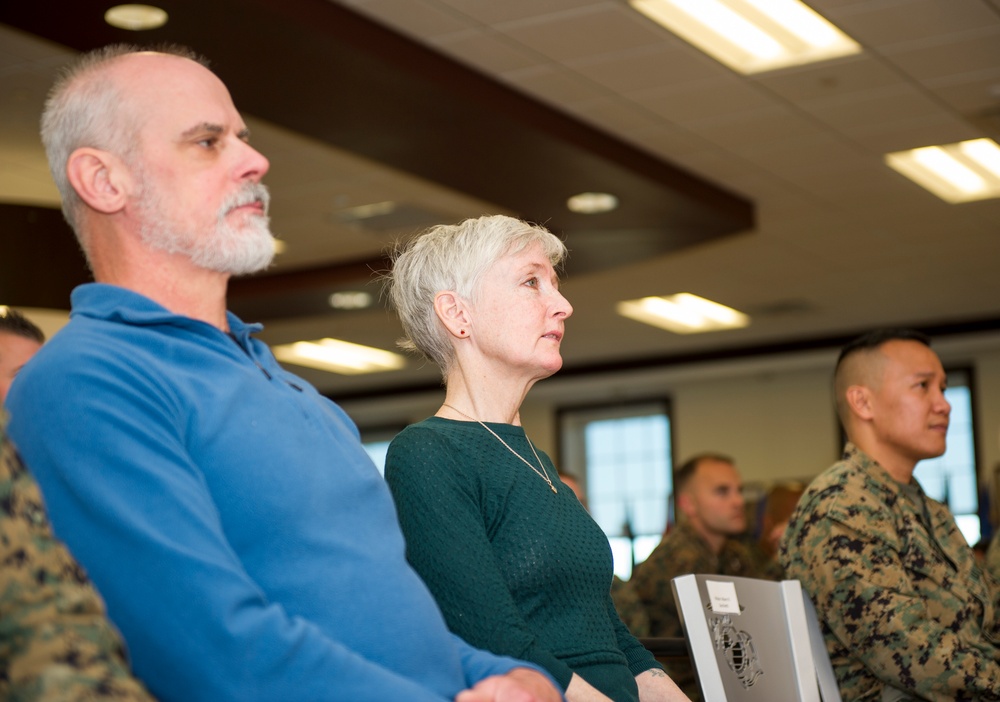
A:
{"x":136,"y":18}
{"x":592,"y":203}
{"x":960,"y":172}
{"x":752,"y":36}
{"x":683,"y":313}
{"x":350,"y":300}
{"x":336,"y":356}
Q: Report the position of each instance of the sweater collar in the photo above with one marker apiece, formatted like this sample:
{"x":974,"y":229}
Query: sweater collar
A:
{"x":117,"y":304}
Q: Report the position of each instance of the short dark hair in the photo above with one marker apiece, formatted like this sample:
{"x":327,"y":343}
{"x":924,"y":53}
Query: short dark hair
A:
{"x":13,"y":322}
{"x":875,"y":338}
{"x":859,"y":350}
{"x":683,"y":475}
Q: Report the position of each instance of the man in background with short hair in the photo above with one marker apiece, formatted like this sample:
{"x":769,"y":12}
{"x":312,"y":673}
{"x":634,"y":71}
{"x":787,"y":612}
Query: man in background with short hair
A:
{"x":20,"y":338}
{"x":709,"y":496}
{"x":906,"y":611}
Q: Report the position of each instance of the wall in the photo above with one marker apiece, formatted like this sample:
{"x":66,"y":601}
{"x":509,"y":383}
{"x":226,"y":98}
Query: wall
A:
{"x":775,"y":425}
{"x":774,"y":415}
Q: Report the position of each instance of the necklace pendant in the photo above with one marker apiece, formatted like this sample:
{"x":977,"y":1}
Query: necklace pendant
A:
{"x":554,"y":489}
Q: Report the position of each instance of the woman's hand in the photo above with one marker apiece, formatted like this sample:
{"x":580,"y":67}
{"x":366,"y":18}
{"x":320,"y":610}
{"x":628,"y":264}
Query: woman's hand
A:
{"x":580,"y":690}
{"x":656,"y":686}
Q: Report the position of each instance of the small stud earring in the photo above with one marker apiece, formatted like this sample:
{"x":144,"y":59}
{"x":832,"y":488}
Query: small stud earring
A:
{"x":461,"y":332}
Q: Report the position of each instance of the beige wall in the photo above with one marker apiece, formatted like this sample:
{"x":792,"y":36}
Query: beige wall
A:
{"x":774,"y":415}
{"x":775,"y":425}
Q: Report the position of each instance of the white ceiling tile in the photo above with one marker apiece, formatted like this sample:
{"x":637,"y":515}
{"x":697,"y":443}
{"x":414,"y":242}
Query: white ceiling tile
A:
{"x":910,"y":133}
{"x":668,"y":141}
{"x":486,"y":51}
{"x":554,"y":85}
{"x":647,"y":68}
{"x":831,"y":79}
{"x":740,"y":130}
{"x":879,"y":24}
{"x":884,"y":105}
{"x":778,"y":157}
{"x":618,"y":116}
{"x":969,"y":93}
{"x":959,"y":54}
{"x":685,"y":103}
{"x":415,"y":18}
{"x":603,"y":29}
{"x":492,"y":12}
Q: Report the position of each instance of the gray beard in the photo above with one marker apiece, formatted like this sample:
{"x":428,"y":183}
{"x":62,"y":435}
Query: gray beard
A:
{"x":236,"y":250}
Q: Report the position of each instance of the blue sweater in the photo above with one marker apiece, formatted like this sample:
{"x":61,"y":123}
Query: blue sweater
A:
{"x":246,"y":546}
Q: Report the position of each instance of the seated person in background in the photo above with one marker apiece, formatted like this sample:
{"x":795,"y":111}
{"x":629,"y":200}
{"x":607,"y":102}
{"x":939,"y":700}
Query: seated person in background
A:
{"x":627,"y":603}
{"x":56,"y":645}
{"x":245,"y":544}
{"x":779,"y":503}
{"x":709,"y":494}
{"x":991,"y":560}
{"x":19,"y":340}
{"x":906,"y":611}
{"x":513,"y":558}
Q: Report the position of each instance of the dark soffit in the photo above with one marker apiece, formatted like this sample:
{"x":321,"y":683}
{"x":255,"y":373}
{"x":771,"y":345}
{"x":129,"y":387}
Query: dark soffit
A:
{"x":327,"y":72}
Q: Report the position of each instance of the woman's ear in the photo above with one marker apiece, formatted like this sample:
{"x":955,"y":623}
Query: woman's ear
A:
{"x":100,"y":179}
{"x":453,"y":312}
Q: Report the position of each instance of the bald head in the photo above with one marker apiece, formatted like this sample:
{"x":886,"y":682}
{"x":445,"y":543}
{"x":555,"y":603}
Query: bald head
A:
{"x":89,"y":107}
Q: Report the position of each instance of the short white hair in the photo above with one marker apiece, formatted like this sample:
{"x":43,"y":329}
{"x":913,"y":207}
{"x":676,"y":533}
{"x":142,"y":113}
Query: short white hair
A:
{"x":454,"y":257}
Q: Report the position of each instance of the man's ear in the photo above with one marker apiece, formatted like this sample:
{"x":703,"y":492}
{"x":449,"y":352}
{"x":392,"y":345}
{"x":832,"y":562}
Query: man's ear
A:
{"x":453,"y":313}
{"x":100,"y":178}
{"x":859,"y":401}
{"x":685,"y":504}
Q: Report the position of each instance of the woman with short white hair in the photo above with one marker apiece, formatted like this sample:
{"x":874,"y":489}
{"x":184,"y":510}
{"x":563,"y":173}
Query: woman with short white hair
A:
{"x":512,"y":557}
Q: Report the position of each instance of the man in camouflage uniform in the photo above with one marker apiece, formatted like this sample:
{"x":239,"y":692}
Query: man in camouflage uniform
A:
{"x":19,"y":340}
{"x":991,"y":561}
{"x":55,"y":643}
{"x":907,"y":613}
{"x":710,"y":497}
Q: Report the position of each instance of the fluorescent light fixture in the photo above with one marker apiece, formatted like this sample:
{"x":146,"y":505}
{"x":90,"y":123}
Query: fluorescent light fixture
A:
{"x":960,"y":172}
{"x":374,"y":209}
{"x":592,"y":203}
{"x":683,"y":313}
{"x":136,"y":18}
{"x":336,"y":356}
{"x":752,"y":36}
{"x":350,"y":300}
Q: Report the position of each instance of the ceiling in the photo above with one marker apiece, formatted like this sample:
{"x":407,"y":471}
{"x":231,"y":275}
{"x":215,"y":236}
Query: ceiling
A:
{"x":766,"y":193}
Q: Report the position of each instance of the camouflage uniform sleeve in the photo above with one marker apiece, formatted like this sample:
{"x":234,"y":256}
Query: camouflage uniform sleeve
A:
{"x":56,"y":643}
{"x":629,"y":607}
{"x":992,"y":563}
{"x":848,"y":561}
{"x":678,"y":554}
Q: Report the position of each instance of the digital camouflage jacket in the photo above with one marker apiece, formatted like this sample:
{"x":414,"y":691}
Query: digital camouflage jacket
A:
{"x":896,"y":586}
{"x":55,"y":642}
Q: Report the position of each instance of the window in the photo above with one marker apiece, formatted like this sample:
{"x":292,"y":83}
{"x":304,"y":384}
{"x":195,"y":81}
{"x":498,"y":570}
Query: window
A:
{"x":952,"y":478}
{"x":622,"y":455}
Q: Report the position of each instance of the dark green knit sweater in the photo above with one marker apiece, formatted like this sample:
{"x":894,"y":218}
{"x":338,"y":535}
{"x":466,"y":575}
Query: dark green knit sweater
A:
{"x":516,"y":569}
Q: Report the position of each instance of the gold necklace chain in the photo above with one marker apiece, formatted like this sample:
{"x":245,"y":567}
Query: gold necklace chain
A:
{"x":543,"y":474}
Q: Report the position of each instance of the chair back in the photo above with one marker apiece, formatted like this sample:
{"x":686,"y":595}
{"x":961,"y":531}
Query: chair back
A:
{"x":754,"y":640}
